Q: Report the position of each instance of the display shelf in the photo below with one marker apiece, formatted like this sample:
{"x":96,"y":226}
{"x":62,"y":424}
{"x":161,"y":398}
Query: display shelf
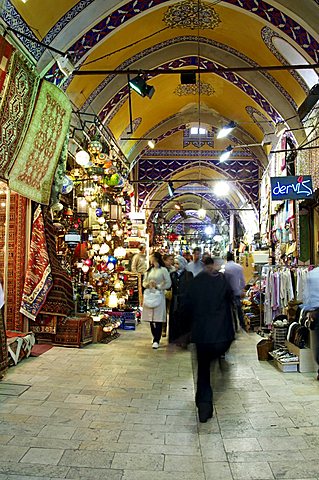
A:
{"x":284,"y":366}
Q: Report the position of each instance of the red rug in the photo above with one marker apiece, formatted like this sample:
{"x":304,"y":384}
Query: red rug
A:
{"x":37,"y":350}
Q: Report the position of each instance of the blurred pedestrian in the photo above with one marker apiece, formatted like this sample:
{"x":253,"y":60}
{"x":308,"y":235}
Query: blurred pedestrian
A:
{"x":196,"y":265}
{"x":178,"y":326}
{"x":235,"y":276}
{"x":209,"y":305}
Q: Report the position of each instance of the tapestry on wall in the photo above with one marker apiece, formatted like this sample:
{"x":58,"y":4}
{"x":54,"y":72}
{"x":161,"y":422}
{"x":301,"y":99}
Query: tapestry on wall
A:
{"x":17,"y":256}
{"x":16,"y":110}
{"x":38,"y":280}
{"x":33,"y":171}
{"x":60,"y":298}
{"x":6,"y":50}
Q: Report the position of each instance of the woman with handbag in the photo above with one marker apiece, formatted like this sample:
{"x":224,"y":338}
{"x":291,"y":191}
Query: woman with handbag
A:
{"x":156,"y":281}
{"x":179,"y":328}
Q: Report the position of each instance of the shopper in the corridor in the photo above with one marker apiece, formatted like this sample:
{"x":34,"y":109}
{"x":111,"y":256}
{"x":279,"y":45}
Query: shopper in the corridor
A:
{"x":208,"y":302}
{"x":235,"y":276}
{"x":196,"y":265}
{"x":178,"y":325}
{"x":139,"y":264}
{"x":158,"y":278}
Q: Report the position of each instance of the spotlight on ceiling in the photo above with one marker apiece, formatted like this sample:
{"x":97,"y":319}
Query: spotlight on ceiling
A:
{"x":226,"y":154}
{"x":171,"y":189}
{"x":309,"y":102}
{"x":151,"y":144}
{"x":209,"y":230}
{"x":221,"y":189}
{"x":223,"y":132}
{"x":65,"y":65}
{"x":201,"y":213}
{"x":188,"y":78}
{"x":139,"y":85}
{"x":177,"y":206}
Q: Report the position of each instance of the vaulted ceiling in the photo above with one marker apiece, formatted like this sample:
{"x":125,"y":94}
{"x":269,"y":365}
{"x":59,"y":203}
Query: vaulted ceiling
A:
{"x":112,"y":36}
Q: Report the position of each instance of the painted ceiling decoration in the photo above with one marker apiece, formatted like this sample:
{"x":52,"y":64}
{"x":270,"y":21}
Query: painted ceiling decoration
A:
{"x":192,"y":14}
{"x":181,"y":40}
{"x":206,"y":36}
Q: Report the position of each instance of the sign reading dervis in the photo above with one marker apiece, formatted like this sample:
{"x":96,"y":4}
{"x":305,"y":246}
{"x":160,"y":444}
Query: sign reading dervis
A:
{"x":291,"y":188}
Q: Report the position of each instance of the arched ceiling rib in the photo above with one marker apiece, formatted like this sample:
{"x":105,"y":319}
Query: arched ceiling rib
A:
{"x":132,"y":34}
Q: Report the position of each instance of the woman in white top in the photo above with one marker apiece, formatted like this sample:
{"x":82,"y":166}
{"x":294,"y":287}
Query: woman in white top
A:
{"x":157,"y":277}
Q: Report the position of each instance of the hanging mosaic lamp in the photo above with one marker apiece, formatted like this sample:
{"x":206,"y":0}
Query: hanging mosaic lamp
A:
{"x":82,"y":158}
{"x":95,"y":147}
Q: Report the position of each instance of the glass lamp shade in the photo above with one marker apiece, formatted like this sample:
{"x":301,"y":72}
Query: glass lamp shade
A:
{"x":120,"y":252}
{"x":81,"y":205}
{"x":95,"y":147}
{"x":116,"y":212}
{"x":113,"y":300}
{"x":82,"y":158}
{"x":85,"y":268}
{"x":104,"y":249}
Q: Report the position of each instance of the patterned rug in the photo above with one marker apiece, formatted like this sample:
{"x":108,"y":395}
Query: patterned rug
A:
{"x":17,"y":255}
{"x":3,"y":348}
{"x":6,"y":50}
{"x":16,"y":109}
{"x":38,"y":280}
{"x":60,"y":298}
{"x":33,"y":171}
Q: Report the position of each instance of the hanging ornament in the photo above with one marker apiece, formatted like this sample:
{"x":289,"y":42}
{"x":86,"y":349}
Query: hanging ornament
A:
{"x":82,"y":158}
{"x":95,"y":147}
{"x":99,"y":212}
{"x":67,"y":185}
{"x":104,"y":249}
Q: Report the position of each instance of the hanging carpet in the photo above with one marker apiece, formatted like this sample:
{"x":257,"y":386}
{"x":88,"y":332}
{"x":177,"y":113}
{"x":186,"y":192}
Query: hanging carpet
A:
{"x":38,"y":281}
{"x":16,"y":110}
{"x":17,"y":256}
{"x":33,"y":171}
{"x":60,"y":298}
{"x":6,"y":50}
{"x":3,"y":348}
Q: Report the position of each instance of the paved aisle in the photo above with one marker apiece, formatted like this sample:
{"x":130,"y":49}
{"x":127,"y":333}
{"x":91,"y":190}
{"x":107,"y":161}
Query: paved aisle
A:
{"x":125,"y":412}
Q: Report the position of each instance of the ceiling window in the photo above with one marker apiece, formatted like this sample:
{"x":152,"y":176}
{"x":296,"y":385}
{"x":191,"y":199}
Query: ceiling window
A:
{"x":198,"y":131}
{"x":295,"y":58}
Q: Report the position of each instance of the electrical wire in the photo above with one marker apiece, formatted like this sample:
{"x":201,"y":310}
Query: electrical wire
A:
{"x":124,"y":48}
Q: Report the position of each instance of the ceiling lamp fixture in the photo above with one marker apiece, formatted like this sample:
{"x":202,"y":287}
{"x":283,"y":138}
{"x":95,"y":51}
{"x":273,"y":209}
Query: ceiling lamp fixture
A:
{"x":226,"y":154}
{"x":177,"y":206}
{"x":139,"y":85}
{"x":192,"y":14}
{"x":225,"y":131}
{"x":221,"y":189}
{"x":151,"y":144}
{"x":201,"y":213}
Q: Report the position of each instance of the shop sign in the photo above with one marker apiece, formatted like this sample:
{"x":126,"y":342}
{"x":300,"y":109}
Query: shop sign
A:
{"x":291,"y":188}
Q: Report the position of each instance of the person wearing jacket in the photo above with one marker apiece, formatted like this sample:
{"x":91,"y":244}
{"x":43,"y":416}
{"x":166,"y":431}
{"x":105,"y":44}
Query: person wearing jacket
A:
{"x":156,"y":277}
{"x":181,"y":278}
{"x":209,"y":305}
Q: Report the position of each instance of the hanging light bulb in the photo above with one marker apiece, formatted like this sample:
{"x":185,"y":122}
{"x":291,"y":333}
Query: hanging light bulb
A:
{"x":101,"y":220}
{"x":223,"y":132}
{"x":221,"y":189}
{"x":151,"y":144}
{"x":85,"y":268}
{"x":82,"y":158}
{"x":104,"y":249}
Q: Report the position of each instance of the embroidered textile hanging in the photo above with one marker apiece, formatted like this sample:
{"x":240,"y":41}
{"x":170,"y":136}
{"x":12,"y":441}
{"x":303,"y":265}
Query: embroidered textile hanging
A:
{"x":33,"y":171}
{"x":6,"y":50}
{"x":60,"y":298}
{"x":16,"y":110}
{"x":38,"y":281}
{"x":17,"y":255}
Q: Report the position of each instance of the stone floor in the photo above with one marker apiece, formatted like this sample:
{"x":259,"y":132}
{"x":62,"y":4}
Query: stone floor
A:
{"x":125,"y":412}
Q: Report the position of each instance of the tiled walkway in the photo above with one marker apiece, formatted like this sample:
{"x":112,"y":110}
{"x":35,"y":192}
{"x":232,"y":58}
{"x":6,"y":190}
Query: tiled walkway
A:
{"x":125,"y":412}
